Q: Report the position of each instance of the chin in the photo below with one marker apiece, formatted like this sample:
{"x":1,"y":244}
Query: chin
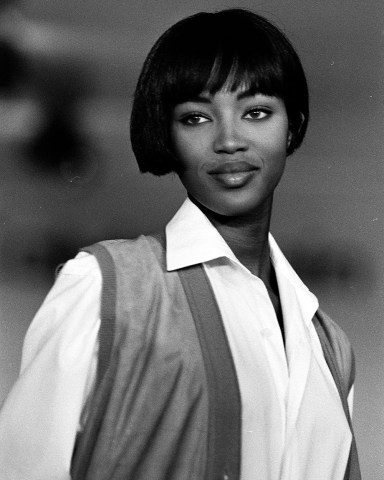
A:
{"x":245,"y":204}
{"x":239,"y":207}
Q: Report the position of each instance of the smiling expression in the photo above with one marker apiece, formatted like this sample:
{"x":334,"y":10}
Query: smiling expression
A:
{"x":231,"y":148}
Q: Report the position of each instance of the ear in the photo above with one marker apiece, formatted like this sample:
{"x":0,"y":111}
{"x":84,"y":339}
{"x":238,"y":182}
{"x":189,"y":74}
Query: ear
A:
{"x":294,"y":132}
{"x":289,"y":138}
{"x":302,"y":118}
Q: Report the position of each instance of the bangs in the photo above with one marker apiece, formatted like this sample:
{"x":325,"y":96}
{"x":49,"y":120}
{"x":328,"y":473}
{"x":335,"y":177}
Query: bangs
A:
{"x":213,"y":63}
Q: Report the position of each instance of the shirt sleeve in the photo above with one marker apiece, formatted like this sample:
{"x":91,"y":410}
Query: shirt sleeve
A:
{"x":40,"y":418}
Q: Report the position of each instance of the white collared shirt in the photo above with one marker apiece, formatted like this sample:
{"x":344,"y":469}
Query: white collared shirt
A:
{"x":293,"y":424}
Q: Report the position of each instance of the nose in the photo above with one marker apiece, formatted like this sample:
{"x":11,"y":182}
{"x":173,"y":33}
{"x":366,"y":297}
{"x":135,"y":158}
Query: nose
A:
{"x":229,"y":139}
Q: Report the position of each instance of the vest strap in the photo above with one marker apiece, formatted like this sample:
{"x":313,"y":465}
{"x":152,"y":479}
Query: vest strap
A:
{"x":224,"y":428}
{"x":108,"y":308}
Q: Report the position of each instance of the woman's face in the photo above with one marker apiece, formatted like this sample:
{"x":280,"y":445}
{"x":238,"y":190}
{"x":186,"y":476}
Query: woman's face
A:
{"x":231,"y":148}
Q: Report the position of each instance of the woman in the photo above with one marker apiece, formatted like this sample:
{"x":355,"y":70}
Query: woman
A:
{"x":198,"y":354}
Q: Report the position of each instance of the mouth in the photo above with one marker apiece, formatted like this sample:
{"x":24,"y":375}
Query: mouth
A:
{"x":233,"y":174}
{"x":232,"y":167}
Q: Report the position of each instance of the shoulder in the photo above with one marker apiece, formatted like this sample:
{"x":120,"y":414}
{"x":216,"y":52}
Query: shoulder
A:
{"x":83,"y":264}
{"x":69,"y":312}
{"x":128,"y":253}
{"x":340,"y":345}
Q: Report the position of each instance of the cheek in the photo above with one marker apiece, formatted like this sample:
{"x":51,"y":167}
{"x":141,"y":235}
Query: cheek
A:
{"x":188,"y":164}
{"x":277,"y":137}
{"x":275,"y":148}
{"x":274,"y":153}
{"x":182,"y":149}
{"x":190,"y":178}
{"x":190,"y":154}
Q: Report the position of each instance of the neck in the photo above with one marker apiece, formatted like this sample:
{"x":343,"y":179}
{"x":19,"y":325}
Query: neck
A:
{"x":247,"y":236}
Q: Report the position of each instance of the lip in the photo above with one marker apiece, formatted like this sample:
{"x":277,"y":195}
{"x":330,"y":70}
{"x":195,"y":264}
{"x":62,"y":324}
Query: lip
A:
{"x":234,"y":174}
{"x":239,"y":166}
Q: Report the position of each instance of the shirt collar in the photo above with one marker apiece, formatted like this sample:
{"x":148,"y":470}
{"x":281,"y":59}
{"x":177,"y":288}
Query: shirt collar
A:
{"x":191,"y":238}
{"x":282,"y":266}
{"x":290,"y":286}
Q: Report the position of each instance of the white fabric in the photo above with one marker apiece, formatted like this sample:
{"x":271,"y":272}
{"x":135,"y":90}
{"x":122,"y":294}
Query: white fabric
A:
{"x":39,"y":419}
{"x":293,"y":426}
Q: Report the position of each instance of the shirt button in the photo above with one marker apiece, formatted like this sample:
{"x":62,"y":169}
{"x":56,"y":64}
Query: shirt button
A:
{"x":266,"y":332}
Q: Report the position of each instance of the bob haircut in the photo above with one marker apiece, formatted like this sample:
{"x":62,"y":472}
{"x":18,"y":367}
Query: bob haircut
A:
{"x":212,"y":51}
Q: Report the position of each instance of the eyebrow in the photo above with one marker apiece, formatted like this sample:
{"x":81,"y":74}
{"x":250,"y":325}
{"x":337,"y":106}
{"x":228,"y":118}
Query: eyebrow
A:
{"x":206,"y":99}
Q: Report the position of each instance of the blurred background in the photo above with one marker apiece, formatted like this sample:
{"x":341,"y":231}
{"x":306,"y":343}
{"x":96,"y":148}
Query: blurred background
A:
{"x":69,"y":178}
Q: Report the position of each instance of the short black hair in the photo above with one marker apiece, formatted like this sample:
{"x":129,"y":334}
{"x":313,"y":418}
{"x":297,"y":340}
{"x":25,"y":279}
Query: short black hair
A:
{"x":207,"y":51}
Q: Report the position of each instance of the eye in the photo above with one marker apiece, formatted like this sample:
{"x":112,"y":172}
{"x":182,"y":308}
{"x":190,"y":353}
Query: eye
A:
{"x":257,"y":113}
{"x":193,"y":119}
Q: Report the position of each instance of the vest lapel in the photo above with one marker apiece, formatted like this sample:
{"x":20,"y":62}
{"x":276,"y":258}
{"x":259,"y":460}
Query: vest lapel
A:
{"x":353,"y":469}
